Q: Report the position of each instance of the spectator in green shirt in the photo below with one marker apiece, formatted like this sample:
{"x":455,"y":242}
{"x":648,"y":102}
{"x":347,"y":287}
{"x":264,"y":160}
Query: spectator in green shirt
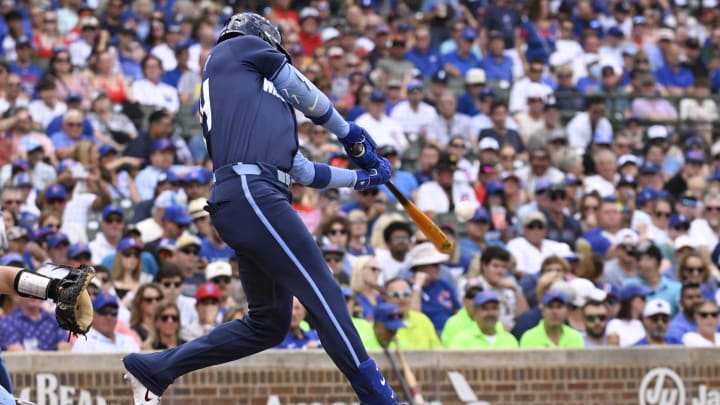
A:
{"x":388,"y":319}
{"x":552,"y":331}
{"x":462,"y":319}
{"x":420,"y":332}
{"x":484,"y":333}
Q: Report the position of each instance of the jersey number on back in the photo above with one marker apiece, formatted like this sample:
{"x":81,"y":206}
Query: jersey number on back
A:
{"x":205,"y":104}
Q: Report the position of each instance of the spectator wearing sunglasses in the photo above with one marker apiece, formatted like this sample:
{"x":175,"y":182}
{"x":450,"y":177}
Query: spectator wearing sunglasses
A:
{"x":111,"y":231}
{"x":595,"y":318}
{"x":706,"y":317}
{"x":102,"y":337}
{"x":127,"y":274}
{"x":419,"y":332}
{"x":684,"y":322}
{"x":165,"y":333}
{"x":143,"y":308}
{"x":532,"y":246}
{"x":170,"y":279}
{"x":220,"y":273}
{"x":693,"y":267}
{"x":655,"y":319}
{"x":334,"y":256}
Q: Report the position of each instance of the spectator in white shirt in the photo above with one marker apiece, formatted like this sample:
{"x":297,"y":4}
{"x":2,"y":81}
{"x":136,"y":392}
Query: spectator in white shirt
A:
{"x":441,"y":195}
{"x":519,"y":91}
{"x":47,"y":106}
{"x":604,"y":181}
{"x":449,"y":122}
{"x":706,"y":318}
{"x":583,"y":126}
{"x":102,"y":337}
{"x":385,"y":130}
{"x":150,"y":91}
{"x":111,"y":231}
{"x":413,"y":114}
{"x":532,"y":247}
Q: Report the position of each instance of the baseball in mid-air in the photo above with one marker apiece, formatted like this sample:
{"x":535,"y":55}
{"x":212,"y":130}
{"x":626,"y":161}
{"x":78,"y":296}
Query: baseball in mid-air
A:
{"x":465,"y":210}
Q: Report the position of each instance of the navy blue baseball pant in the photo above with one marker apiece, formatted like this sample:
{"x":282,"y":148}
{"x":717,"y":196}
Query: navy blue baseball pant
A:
{"x":279,"y":259}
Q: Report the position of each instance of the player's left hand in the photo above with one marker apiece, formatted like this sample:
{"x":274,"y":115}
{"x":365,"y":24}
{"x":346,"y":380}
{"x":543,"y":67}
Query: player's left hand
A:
{"x":374,"y":177}
{"x":74,"y":310}
{"x":360,"y":147}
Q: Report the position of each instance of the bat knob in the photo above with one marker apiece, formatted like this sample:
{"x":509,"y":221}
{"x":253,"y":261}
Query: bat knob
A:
{"x":357,"y":149}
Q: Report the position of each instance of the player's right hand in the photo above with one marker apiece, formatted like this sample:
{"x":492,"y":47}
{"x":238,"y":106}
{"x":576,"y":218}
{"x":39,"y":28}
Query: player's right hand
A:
{"x":360,"y":147}
{"x":374,"y":177}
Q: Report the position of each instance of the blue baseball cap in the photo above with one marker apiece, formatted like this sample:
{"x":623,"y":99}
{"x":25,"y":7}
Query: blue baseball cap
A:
{"x":633,"y":290}
{"x":127,"y":244}
{"x":177,"y":214}
{"x":377,"y":95}
{"x":688,"y":199}
{"x":74,"y":97}
{"x":56,"y":239}
{"x":440,"y":76}
{"x":106,"y":150}
{"x":111,"y":209}
{"x":695,"y":156}
{"x":390,"y":316}
{"x":347,"y":292}
{"x":105,"y":299}
{"x":56,"y":192}
{"x":615,"y":31}
{"x":648,"y":167}
{"x":541,"y":185}
{"x":64,"y":165}
{"x":77,"y":249}
{"x":414,"y":84}
{"x":168,"y":175}
{"x":469,"y":34}
{"x":495,"y":187}
{"x":485,"y":296}
{"x":42,"y":232}
{"x":195,"y":176}
{"x":166,"y":244}
{"x":678,"y":220}
{"x":695,"y":140}
{"x":551,"y":296}
{"x":10,"y":258}
{"x":481,"y":215}
{"x":639,"y":20}
{"x":22,"y":179}
{"x":20,"y":164}
{"x":572,"y":180}
{"x":163,"y":144}
{"x":627,"y":180}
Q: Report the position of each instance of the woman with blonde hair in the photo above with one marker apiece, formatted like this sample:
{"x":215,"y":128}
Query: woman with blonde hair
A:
{"x":165,"y":333}
{"x":142,"y":309}
{"x":365,"y":284}
{"x":127,"y":270}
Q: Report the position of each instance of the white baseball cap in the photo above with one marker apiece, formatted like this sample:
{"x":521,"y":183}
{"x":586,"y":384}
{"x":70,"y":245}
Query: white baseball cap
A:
{"x":217,"y":269}
{"x":657,"y":131}
{"x":586,"y":291}
{"x":475,"y":76}
{"x":489,"y":143}
{"x":684,"y":241}
{"x":657,"y":306}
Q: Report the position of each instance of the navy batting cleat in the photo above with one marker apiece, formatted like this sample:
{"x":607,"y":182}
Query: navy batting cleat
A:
{"x":370,"y":385}
{"x":141,"y":395}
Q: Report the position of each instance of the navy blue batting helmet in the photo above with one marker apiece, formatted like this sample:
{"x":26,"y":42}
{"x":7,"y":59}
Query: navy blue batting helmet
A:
{"x":249,"y":23}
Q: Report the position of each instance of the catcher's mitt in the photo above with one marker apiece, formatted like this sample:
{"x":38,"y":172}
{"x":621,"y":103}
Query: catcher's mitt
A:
{"x":74,"y":310}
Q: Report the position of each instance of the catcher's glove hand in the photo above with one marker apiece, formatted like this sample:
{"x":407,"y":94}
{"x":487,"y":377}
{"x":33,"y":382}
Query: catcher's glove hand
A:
{"x":74,"y":310}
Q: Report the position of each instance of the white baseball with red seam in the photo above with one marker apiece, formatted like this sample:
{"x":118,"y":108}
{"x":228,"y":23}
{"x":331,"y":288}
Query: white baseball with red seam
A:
{"x":465,"y":210}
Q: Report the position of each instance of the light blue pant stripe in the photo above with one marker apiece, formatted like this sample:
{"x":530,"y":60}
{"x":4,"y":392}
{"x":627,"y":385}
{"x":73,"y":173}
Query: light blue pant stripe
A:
{"x":293,"y":258}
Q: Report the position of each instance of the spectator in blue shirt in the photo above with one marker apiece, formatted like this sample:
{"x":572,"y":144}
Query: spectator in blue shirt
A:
{"x":502,"y":16}
{"x":497,"y":66}
{"x":425,"y":58}
{"x":296,"y":337}
{"x":655,"y":319}
{"x":539,"y":31}
{"x":30,"y":73}
{"x":649,"y":258}
{"x":690,"y":295}
{"x":403,"y":180}
{"x":475,"y":81}
{"x":65,"y":140}
{"x":29,"y":328}
{"x":673,"y":75}
{"x":459,"y":61}
{"x":439,"y":298}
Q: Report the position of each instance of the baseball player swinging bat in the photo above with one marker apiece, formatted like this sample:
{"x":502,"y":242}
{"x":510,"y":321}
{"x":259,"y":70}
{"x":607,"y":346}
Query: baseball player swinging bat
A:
{"x":423,"y":222}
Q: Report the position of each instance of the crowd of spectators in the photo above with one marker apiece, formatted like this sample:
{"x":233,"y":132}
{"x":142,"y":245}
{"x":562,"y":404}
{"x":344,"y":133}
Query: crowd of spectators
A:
{"x":582,"y":131}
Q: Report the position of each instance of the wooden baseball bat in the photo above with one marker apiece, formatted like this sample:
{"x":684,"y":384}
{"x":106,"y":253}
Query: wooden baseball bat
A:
{"x":401,"y":380}
{"x":425,"y":224}
{"x":409,"y":377}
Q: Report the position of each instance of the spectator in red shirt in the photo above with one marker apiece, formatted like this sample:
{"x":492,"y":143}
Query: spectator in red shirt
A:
{"x":309,"y":36}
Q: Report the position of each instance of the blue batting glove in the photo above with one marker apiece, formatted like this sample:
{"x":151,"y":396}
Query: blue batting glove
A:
{"x":374,"y":177}
{"x":360,"y":147}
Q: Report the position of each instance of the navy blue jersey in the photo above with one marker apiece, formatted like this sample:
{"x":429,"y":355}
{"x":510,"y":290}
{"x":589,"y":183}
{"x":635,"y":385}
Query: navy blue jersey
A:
{"x":244,"y":117}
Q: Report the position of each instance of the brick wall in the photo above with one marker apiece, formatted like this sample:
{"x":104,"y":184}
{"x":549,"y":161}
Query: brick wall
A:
{"x":584,"y":376}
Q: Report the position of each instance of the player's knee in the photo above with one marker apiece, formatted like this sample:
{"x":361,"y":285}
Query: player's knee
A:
{"x":272,"y":326}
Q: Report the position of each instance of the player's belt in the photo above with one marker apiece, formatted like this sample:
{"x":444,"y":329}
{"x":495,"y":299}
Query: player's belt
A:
{"x":240,"y":169}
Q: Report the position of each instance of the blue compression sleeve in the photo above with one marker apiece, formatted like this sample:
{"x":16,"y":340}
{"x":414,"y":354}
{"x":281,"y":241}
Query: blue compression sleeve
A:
{"x":297,"y":90}
{"x":320,"y":175}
